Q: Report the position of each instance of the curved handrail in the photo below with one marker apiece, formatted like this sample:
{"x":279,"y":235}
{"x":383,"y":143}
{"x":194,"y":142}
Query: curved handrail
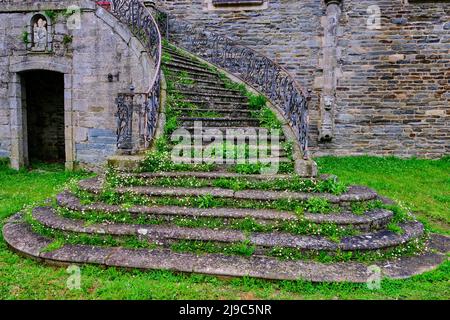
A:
{"x":250,"y":66}
{"x":139,"y":19}
{"x":141,"y":23}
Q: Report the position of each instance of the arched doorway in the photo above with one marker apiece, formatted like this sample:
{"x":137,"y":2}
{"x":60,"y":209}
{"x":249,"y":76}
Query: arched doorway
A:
{"x":43,"y":99}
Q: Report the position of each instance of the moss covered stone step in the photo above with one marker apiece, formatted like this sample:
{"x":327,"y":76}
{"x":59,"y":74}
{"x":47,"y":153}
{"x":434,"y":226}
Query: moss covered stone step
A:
{"x":217,"y":88}
{"x":371,"y":220}
{"x":238,"y":133}
{"x":216,"y":104}
{"x":20,"y":237}
{"x":181,"y":60}
{"x":354,"y":193}
{"x":275,"y":150}
{"x":198,"y":82}
{"x":222,"y":163}
{"x":182,"y":66}
{"x":166,"y":234}
{"x":218,"y":122}
{"x":238,"y":96}
{"x":212,"y":175}
{"x":236,"y":113}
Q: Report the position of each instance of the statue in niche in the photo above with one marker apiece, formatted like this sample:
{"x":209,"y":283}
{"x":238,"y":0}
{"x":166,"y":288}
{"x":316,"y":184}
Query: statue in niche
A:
{"x":40,"y":35}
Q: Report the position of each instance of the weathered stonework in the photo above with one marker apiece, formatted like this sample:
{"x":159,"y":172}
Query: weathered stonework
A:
{"x":391,"y":84}
{"x":87,"y":56}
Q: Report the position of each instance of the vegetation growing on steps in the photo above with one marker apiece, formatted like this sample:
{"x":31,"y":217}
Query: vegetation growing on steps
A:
{"x":293,"y":183}
{"x":299,"y":227}
{"x":160,"y":159}
{"x":27,"y":279}
{"x":411,"y":248}
{"x":110,"y":196}
{"x":257,"y":103}
{"x":244,"y":248}
{"x":312,"y":205}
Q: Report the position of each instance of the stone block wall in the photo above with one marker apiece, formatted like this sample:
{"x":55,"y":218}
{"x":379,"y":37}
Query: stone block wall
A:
{"x":86,"y":56}
{"x":392,"y":91}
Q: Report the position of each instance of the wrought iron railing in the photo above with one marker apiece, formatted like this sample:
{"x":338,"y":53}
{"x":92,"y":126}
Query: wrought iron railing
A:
{"x":252,"y":67}
{"x":137,"y":113}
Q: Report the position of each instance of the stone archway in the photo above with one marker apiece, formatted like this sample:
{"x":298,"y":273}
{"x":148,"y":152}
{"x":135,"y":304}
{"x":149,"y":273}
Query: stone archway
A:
{"x":26,"y":142}
{"x":44,"y":104}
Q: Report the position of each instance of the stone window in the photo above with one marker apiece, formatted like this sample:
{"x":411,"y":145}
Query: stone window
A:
{"x":234,"y":5}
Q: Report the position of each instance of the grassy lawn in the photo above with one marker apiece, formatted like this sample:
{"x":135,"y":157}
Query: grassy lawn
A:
{"x":421,"y":185}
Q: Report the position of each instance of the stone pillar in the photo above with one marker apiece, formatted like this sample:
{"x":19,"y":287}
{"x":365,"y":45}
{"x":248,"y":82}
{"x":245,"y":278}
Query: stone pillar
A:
{"x":328,"y":99}
{"x":19,"y":154}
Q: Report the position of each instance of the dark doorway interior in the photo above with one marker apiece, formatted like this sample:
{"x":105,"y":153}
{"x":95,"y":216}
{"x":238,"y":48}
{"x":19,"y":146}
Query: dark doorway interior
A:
{"x":45,"y":115}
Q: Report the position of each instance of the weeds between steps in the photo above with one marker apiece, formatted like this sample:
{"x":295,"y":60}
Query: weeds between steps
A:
{"x":297,"y":227}
{"x":243,"y":248}
{"x":312,"y":205}
{"x":110,"y":196}
{"x":257,"y":104}
{"x":293,"y":183}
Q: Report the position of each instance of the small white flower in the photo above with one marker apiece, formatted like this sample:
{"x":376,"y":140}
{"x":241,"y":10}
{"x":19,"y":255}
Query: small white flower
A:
{"x":143,"y":232}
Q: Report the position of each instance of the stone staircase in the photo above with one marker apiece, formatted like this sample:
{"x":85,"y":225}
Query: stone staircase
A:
{"x":218,"y":220}
{"x":202,"y":95}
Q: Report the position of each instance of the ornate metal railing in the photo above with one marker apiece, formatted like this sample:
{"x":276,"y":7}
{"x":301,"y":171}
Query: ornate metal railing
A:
{"x":137,"y":113}
{"x":252,"y":67}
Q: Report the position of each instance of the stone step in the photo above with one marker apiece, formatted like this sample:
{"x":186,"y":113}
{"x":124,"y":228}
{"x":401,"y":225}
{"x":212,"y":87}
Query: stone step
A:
{"x":211,"y":175}
{"x":167,"y":234}
{"x":354,"y":193}
{"x":223,"y":163}
{"x":242,"y":147}
{"x":372,"y":220}
{"x":218,"y":122}
{"x":181,"y":60}
{"x":182,"y":66}
{"x":181,"y":55}
{"x":230,"y":113}
{"x":241,"y":133}
{"x":20,"y":237}
{"x":208,"y":95}
{"x":199,"y":82}
{"x":218,"y":104}
{"x":207,"y":89}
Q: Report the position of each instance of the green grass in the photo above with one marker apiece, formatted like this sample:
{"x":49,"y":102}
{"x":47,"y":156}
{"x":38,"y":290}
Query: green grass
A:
{"x":423,"y":186}
{"x":24,"y":187}
{"x":26,"y":279}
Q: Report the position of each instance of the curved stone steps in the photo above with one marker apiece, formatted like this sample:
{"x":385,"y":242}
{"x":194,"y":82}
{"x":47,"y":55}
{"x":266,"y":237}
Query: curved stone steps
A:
{"x":210,"y":175}
{"x":166,"y":234}
{"x":19,"y":236}
{"x":372,"y":220}
{"x":354,"y":193}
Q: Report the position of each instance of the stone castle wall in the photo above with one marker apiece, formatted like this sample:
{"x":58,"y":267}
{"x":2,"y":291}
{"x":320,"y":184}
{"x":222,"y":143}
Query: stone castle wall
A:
{"x":392,"y":90}
{"x":87,"y":55}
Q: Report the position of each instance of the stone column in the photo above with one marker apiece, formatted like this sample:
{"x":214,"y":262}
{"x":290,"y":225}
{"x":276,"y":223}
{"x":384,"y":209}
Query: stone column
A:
{"x":328,"y":99}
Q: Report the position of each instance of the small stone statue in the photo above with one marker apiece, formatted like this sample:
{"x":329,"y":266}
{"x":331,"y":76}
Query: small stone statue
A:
{"x":40,"y":35}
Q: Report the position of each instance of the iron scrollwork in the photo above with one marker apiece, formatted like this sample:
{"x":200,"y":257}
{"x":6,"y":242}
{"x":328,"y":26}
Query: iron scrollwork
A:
{"x":140,"y":107}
